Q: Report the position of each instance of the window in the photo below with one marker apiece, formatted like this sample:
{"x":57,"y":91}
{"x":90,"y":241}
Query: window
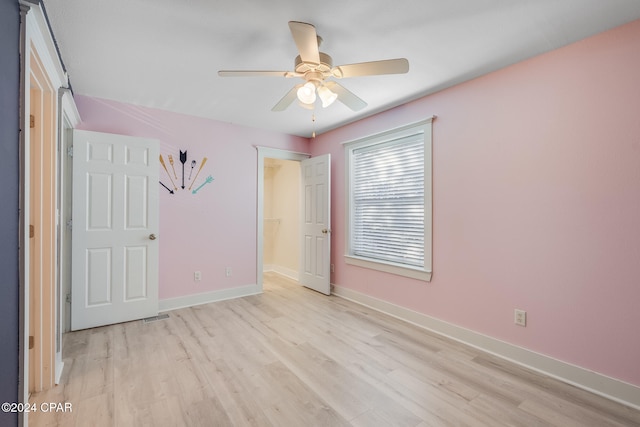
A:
{"x":389,"y":201}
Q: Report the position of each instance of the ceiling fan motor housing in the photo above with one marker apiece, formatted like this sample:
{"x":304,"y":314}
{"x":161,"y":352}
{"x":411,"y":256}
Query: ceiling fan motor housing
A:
{"x":324,"y":67}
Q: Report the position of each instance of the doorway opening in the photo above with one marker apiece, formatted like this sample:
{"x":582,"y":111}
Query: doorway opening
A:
{"x":281,"y":245}
{"x":42,"y":228}
{"x":278,"y":241}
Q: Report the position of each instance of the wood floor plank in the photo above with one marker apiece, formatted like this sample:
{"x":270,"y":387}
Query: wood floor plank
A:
{"x":95,"y":411}
{"x":301,"y":399}
{"x":294,"y":357}
{"x":613,"y":411}
{"x":504,"y":412}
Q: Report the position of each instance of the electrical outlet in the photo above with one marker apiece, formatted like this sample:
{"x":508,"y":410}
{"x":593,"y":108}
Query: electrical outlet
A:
{"x":333,"y":268}
{"x":197,"y":276}
{"x":227,"y":271}
{"x":520,"y":317}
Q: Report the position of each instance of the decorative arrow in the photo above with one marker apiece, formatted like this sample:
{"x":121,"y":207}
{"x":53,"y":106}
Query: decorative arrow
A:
{"x":193,"y":165}
{"x":183,"y":159}
{"x":168,"y":189}
{"x":174,"y":169}
{"x":167,"y":171}
{"x":206,"y":181}
{"x":204,"y":160}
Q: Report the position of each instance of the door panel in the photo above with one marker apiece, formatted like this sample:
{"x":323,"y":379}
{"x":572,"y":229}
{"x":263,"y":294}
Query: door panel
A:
{"x":316,"y":226}
{"x":115,"y":213}
{"x":99,"y":269}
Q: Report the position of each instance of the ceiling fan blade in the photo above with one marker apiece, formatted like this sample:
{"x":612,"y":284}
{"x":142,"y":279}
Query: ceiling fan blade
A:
{"x":374,"y":68}
{"x":306,"y":39}
{"x":242,"y":73}
{"x":287,"y":99}
{"x":347,"y":97}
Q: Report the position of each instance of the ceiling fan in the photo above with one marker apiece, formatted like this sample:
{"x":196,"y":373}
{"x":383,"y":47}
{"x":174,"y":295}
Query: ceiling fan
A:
{"x":315,"y":67}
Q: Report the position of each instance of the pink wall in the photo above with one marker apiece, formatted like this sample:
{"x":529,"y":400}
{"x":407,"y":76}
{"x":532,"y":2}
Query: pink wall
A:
{"x":216,"y":227}
{"x":536,"y":204}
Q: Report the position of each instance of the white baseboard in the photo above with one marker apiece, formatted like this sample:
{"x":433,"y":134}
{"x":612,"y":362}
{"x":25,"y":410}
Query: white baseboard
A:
{"x":594,"y":382}
{"x":59,"y":369}
{"x":267,"y":268}
{"x":283,"y":271}
{"x":207,"y":297}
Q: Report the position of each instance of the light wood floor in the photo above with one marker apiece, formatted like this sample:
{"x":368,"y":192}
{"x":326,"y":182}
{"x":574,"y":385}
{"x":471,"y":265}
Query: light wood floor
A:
{"x":293,"y":357}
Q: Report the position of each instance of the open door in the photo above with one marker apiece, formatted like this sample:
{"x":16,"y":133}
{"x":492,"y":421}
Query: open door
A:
{"x":115,"y":229}
{"x":315,"y":260}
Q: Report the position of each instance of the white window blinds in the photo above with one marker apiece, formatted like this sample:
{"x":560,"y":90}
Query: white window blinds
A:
{"x":388,"y":201}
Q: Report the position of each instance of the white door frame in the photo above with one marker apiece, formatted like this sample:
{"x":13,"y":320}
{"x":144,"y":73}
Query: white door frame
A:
{"x":69,"y":118}
{"x":35,"y":42}
{"x":42,"y":218}
{"x":271,"y":153}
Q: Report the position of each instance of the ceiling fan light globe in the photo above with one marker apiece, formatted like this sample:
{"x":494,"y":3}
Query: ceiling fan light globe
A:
{"x":326,"y":96}
{"x":307,"y":93}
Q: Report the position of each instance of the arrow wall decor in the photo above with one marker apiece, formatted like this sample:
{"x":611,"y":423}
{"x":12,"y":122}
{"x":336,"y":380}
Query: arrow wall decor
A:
{"x":183,"y":159}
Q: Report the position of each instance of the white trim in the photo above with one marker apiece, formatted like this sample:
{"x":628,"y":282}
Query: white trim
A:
{"x":278,"y":153}
{"x":41,"y":41}
{"x":24,"y":297}
{"x":69,"y":108}
{"x":602,"y":385}
{"x":35,"y":40}
{"x":68,"y":118}
{"x":397,"y":132}
{"x":387,"y":267}
{"x":425,"y":128}
{"x":267,"y":267}
{"x":207,"y":297}
{"x":59,"y":369}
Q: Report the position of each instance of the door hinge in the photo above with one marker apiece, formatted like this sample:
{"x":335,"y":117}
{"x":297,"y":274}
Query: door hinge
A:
{"x":32,"y":121}
{"x":32,"y":342}
{"x":32,"y":231}
{"x":70,"y":224}
{"x":70,"y":151}
{"x":68,"y":299}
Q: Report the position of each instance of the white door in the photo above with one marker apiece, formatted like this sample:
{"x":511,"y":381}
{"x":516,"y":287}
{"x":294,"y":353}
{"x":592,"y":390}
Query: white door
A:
{"x":315,"y":268}
{"x":115,"y":229}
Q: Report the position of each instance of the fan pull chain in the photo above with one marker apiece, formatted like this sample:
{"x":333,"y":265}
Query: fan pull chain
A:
{"x":313,"y":121}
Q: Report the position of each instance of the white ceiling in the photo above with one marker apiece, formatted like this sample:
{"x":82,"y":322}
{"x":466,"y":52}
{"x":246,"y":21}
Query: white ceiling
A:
{"x":166,"y":53}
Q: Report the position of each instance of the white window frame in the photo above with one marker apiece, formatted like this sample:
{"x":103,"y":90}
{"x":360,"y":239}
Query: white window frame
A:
{"x":419,"y":128}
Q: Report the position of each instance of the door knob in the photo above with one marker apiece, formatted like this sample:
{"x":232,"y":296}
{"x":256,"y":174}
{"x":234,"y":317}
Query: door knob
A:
{"x":325,"y":231}
{"x":152,"y":237}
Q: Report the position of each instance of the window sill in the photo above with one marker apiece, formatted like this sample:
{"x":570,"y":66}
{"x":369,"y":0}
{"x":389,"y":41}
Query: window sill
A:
{"x":400,"y":270}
